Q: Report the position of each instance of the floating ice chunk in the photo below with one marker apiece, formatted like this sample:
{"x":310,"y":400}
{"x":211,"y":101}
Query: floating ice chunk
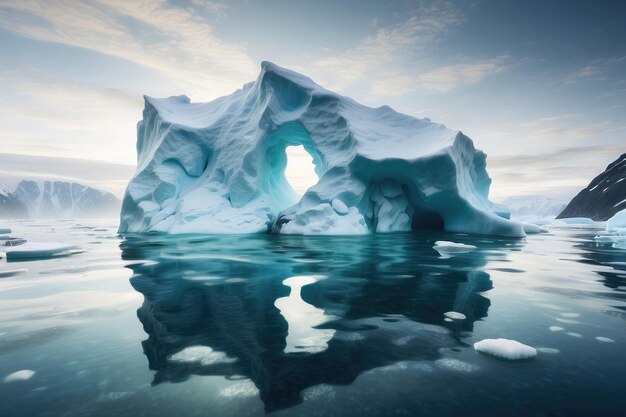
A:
{"x":448,"y":320}
{"x":203,"y":354}
{"x":453,"y":315}
{"x":38,"y":250}
{"x":23,"y":375}
{"x":556,"y":329}
{"x":578,"y":335}
{"x":456,"y":365}
{"x":505,"y":349}
{"x":452,"y":247}
{"x":604,"y":339}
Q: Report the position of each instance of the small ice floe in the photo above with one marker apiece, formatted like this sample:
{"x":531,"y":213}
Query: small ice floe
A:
{"x":604,"y":339}
{"x":452,"y":247}
{"x":556,"y":329}
{"x":453,"y":315}
{"x":575,"y":334}
{"x":23,"y":375}
{"x":39,"y":250}
{"x":505,"y":349}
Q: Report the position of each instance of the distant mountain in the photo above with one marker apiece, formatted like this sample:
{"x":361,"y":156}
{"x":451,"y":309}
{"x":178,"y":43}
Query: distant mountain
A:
{"x":603,"y":197}
{"x":62,"y":199}
{"x":533,"y":205}
{"x":10,"y":206}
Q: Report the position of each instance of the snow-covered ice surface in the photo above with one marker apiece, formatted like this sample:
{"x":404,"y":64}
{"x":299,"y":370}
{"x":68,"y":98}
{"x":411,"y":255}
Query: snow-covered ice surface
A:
{"x":218,"y":167}
{"x":505,"y":349}
{"x":38,"y":250}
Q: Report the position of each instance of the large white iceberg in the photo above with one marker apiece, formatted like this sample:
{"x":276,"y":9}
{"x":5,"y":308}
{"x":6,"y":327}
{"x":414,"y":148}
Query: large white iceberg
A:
{"x":218,"y":167}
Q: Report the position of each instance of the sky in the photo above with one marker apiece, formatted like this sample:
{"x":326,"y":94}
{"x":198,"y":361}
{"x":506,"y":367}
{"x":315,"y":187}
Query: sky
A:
{"x":540,"y":86}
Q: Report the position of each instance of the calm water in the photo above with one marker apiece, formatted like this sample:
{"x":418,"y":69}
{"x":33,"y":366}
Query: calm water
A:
{"x":311,"y":326}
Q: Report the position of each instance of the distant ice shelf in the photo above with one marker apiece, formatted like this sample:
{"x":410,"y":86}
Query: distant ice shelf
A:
{"x":218,"y":167}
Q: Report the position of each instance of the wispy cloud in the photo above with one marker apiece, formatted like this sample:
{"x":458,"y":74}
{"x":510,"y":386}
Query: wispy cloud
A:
{"x":397,"y":59}
{"x":152,"y":33}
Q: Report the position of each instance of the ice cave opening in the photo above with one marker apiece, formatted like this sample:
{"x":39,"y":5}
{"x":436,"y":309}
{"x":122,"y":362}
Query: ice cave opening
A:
{"x":300,"y":169}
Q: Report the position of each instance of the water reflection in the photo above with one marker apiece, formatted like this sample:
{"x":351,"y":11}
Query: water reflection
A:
{"x":290,"y":312}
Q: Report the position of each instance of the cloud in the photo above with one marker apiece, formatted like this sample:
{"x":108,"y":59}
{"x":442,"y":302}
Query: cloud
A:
{"x":398,"y":59}
{"x":449,"y":77}
{"x":560,"y":173}
{"x":175,"y":41}
{"x":43,"y":115}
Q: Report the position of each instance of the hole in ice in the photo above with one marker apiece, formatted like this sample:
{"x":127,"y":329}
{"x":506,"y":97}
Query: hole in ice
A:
{"x":300,"y":170}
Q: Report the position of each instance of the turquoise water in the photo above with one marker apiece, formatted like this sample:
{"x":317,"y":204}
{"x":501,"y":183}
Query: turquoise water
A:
{"x":310,"y":326}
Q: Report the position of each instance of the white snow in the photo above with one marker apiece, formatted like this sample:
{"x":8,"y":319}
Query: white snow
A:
{"x":446,"y":246}
{"x":38,"y":250}
{"x":218,"y":167}
{"x":453,"y":315}
{"x":23,"y":375}
{"x":505,"y":349}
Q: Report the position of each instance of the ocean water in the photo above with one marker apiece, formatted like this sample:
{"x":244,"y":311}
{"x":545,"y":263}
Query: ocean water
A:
{"x":310,"y":326}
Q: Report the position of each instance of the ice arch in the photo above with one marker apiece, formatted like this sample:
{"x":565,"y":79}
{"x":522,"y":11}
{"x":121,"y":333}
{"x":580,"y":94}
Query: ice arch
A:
{"x":219,"y":167}
{"x":271,"y":176}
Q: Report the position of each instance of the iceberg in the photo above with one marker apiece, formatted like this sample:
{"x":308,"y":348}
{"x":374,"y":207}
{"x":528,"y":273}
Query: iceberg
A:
{"x":218,"y":167}
{"x":615,"y":231}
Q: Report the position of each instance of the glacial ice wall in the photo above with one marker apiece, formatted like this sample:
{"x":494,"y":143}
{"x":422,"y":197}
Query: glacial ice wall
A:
{"x":218,"y":167}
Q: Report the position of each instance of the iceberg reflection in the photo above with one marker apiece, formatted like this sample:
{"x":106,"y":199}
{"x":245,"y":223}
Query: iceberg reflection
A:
{"x":257,"y":307}
{"x":302,"y":318}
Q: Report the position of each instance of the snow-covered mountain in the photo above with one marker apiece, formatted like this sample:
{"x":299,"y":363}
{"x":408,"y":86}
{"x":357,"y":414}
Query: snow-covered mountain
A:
{"x":10,"y":206}
{"x":533,"y":205}
{"x":218,"y":167}
{"x":603,"y":197}
{"x":62,"y":199}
